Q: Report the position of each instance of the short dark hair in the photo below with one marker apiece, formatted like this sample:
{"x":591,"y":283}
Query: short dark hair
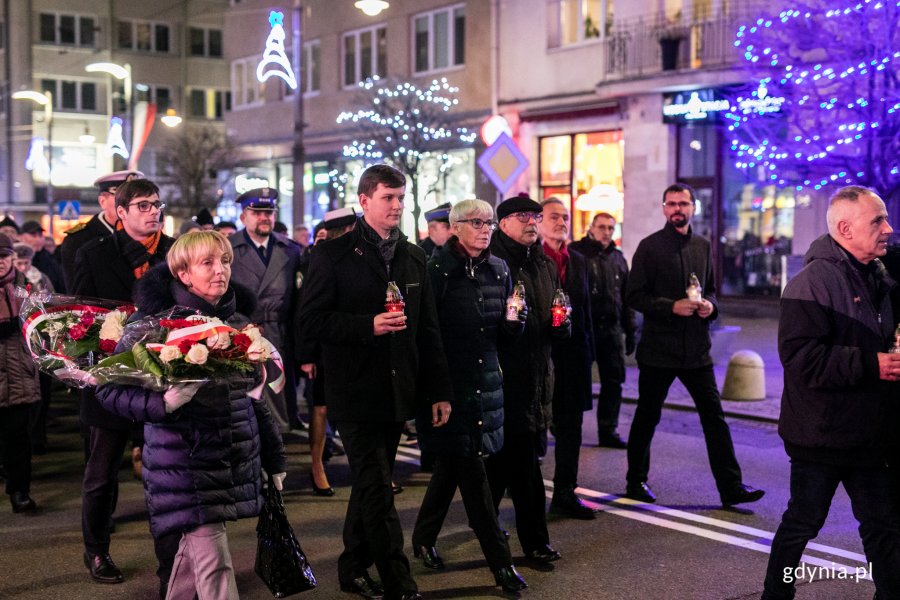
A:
{"x":136,"y":188}
{"x":381,"y":173}
{"x":680,"y":187}
{"x":222,"y":224}
{"x":279,"y":227}
{"x":604,"y":215}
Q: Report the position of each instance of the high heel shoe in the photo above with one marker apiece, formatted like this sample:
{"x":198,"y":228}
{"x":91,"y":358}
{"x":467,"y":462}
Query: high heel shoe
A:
{"x":509,"y":579}
{"x":326,"y":491}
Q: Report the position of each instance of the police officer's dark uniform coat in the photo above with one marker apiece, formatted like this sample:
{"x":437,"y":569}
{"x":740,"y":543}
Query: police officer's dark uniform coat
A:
{"x":76,"y":238}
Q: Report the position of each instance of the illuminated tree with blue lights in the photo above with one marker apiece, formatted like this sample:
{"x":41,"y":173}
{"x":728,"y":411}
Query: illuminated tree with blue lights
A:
{"x":823,"y":105}
{"x":404,"y":125}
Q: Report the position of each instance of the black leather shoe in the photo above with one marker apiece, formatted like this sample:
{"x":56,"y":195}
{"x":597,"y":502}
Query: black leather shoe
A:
{"x":505,"y":533}
{"x":742,"y":494}
{"x":396,"y":488}
{"x":326,"y":491}
{"x":544,"y":554}
{"x":365,"y":586}
{"x":430,"y":557}
{"x":102,"y":568}
{"x":509,"y":579}
{"x":567,"y":504}
{"x":411,"y":595}
{"x":21,"y":502}
{"x":612,"y":440}
{"x":640,"y":491}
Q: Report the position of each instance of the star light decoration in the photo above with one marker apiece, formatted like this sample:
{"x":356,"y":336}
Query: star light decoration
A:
{"x":823,"y":107}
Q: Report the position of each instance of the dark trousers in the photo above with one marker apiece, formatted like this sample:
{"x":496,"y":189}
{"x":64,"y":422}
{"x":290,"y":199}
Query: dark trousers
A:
{"x":39,"y":429}
{"x":653,"y":387}
{"x":609,"y":349}
{"x":469,"y":474}
{"x":100,"y":485}
{"x":873,"y":497}
{"x":165,"y":547}
{"x":15,"y":446}
{"x":372,"y":532}
{"x":516,"y":468}
{"x":567,"y":433}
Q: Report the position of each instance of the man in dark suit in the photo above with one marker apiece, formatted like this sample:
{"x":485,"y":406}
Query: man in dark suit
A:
{"x":102,"y":224}
{"x":572,"y":358}
{"x":379,"y":365}
{"x":269,"y":263}
{"x":108,"y":267}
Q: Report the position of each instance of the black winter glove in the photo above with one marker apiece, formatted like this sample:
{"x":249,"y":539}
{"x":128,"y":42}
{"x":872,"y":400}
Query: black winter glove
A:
{"x":515,"y":328}
{"x":563,"y":332}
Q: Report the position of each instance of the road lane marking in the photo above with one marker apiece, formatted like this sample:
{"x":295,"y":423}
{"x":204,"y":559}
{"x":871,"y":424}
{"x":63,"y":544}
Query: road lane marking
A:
{"x":640,"y":511}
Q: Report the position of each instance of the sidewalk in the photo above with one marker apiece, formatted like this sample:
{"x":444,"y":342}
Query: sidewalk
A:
{"x":756,"y":333}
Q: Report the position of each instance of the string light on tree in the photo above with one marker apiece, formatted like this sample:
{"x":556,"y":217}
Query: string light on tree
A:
{"x":408,"y":126}
{"x":834,"y":65}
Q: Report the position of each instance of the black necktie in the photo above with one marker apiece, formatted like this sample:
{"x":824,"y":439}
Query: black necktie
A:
{"x":262,"y":254}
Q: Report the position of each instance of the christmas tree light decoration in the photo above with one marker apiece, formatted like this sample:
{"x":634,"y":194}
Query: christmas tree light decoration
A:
{"x":275,"y":62}
{"x":406,"y":126}
{"x":823,"y":102}
{"x":115,"y":143}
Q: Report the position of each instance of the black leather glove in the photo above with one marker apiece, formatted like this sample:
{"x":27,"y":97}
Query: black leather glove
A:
{"x":629,"y":344}
{"x":516,"y":327}
{"x":563,"y":332}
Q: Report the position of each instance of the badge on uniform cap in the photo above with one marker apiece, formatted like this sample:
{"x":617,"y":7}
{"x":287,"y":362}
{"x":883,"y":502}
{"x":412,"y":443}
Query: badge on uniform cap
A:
{"x":259,"y":199}
{"x":109,"y":182}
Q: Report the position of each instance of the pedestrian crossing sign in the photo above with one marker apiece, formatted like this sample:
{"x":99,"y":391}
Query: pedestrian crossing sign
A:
{"x":69,"y":210}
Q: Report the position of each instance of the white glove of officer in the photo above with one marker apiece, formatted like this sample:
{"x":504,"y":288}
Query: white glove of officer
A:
{"x":278,"y":480}
{"x":178,"y":395}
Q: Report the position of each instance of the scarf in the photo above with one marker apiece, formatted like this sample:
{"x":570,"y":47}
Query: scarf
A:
{"x":560,"y":259}
{"x":386,"y":247}
{"x":9,"y":304}
{"x":137,"y":252}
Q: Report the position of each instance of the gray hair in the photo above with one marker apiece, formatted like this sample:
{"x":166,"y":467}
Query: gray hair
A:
{"x":467,"y":208}
{"x":841,"y":200}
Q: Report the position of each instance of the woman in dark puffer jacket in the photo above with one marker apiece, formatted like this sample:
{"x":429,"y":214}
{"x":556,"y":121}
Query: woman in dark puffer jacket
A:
{"x":205,"y":445}
{"x":470,"y":288}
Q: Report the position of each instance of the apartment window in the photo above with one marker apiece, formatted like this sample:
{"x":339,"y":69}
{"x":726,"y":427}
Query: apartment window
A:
{"x":161,"y":95}
{"x":578,"y":21}
{"x":365,"y":54}
{"x":145,"y":36}
{"x":309,"y":67}
{"x":440,"y":39}
{"x":67,"y":30}
{"x":245,"y":88}
{"x":71,"y":96}
{"x":205,"y":42}
{"x":208,"y":104}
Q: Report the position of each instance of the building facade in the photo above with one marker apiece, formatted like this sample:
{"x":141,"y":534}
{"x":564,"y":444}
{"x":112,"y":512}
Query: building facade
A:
{"x":169,"y":57}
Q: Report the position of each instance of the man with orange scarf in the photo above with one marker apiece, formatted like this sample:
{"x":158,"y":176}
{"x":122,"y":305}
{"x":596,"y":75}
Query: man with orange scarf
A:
{"x":108,"y":267}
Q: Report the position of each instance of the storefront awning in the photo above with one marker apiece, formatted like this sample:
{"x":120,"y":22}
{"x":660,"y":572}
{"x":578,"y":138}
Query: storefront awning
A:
{"x":571,"y":111}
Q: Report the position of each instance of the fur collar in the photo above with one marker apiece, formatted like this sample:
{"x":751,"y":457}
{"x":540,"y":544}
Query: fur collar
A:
{"x":153,"y":292}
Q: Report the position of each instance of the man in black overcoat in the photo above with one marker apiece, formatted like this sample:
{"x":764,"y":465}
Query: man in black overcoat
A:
{"x":572,"y":358}
{"x":378,"y":363}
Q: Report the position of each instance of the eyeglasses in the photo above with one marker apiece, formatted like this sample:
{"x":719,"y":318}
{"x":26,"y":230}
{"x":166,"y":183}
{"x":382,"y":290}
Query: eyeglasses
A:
{"x":677,"y":204}
{"x":145,"y":206}
{"x":524,"y":217}
{"x":479,"y":223}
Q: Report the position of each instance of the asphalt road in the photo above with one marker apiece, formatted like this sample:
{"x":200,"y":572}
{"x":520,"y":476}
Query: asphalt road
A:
{"x":684,"y":547}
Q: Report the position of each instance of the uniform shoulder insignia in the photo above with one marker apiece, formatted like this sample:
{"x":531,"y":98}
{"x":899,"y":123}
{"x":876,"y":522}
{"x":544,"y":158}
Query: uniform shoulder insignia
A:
{"x":76,"y":228}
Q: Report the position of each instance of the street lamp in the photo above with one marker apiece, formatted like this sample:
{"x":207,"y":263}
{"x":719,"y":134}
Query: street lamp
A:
{"x":371,"y":7}
{"x":120,"y":72}
{"x":46,"y":100}
{"x":171,"y":118}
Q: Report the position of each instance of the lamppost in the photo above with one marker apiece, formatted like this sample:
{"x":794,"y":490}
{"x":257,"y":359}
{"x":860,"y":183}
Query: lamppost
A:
{"x":120,"y":72}
{"x":46,"y":100}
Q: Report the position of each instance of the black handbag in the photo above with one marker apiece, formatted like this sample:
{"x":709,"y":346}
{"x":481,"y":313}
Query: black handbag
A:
{"x":280,"y":562}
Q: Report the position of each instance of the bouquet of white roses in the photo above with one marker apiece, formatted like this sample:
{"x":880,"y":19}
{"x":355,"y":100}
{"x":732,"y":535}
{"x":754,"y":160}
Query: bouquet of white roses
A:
{"x":179,"y":346}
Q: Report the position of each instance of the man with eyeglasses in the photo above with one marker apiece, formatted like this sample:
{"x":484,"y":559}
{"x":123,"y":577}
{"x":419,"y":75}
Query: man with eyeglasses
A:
{"x":613,"y":321}
{"x":108,"y":267}
{"x":527,"y":377}
{"x":675,"y":343}
{"x":100,"y":225}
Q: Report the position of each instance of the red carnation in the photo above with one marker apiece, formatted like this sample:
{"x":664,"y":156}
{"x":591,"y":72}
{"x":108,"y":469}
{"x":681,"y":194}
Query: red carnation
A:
{"x":242,"y":341}
{"x":107,"y":345}
{"x":77,"y":331}
{"x":184,"y":346}
{"x":87,"y":319}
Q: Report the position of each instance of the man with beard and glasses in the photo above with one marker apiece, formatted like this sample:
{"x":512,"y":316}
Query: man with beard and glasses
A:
{"x":839,"y":406}
{"x":675,"y":343}
{"x":269,"y":263}
{"x":381,"y":367}
{"x":108,"y":267}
